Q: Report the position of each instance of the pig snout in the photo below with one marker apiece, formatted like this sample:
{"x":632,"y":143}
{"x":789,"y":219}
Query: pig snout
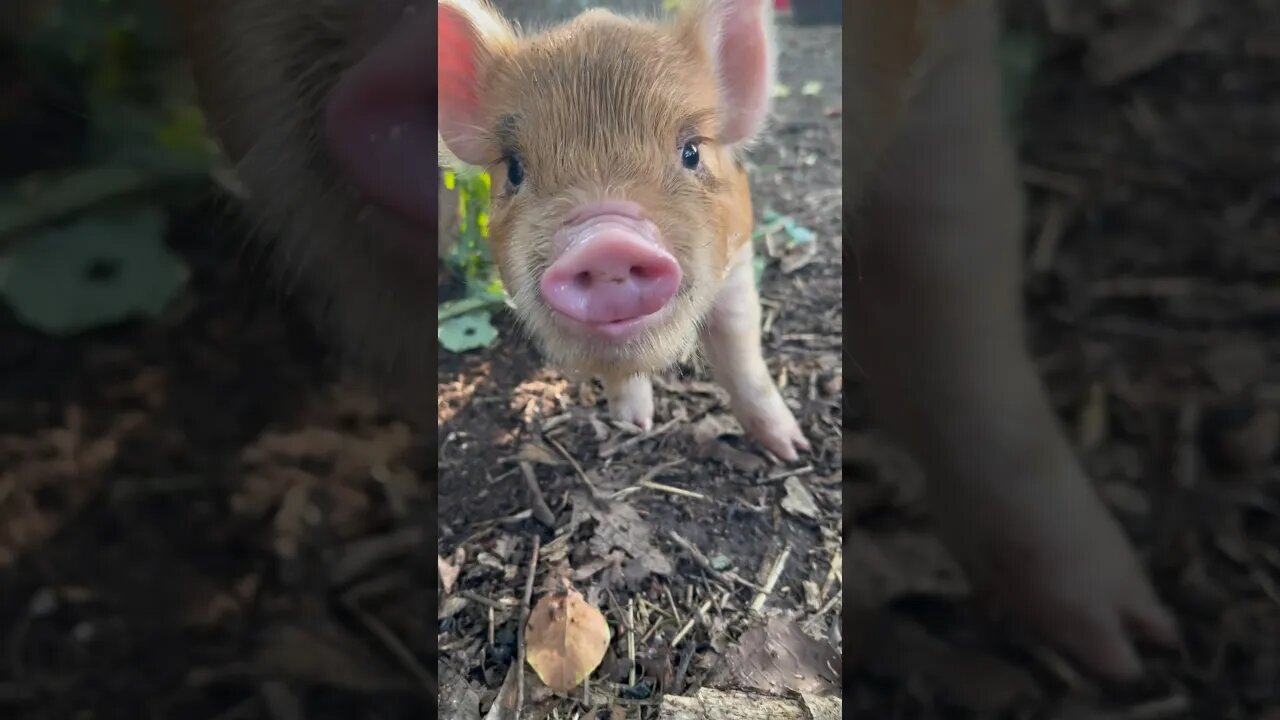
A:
{"x":610,"y":271}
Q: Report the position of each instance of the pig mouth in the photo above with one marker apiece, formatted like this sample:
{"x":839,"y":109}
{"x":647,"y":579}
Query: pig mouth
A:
{"x":614,"y":331}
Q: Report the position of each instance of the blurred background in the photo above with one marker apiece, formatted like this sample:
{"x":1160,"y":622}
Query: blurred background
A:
{"x":199,"y":518}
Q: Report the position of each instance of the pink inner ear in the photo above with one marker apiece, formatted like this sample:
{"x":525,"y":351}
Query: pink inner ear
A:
{"x":457,"y":47}
{"x":742,"y":63}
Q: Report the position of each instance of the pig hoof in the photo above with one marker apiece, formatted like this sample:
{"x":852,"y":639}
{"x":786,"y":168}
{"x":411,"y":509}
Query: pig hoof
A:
{"x":774,"y":427}
{"x":631,"y":401}
{"x":1082,"y":588}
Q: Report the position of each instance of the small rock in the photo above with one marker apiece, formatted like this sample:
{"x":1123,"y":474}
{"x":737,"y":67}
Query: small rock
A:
{"x":833,"y":385}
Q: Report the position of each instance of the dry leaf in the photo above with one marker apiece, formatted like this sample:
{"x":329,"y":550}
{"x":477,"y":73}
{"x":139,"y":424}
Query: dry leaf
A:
{"x":798,"y":256}
{"x":448,"y":573}
{"x":536,"y":452}
{"x":799,"y":501}
{"x":713,"y":426}
{"x":618,"y":525}
{"x":778,"y":657}
{"x":458,"y":699}
{"x":565,"y":639}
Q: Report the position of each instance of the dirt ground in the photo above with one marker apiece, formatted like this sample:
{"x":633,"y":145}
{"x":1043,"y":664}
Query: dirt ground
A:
{"x":198,"y":519}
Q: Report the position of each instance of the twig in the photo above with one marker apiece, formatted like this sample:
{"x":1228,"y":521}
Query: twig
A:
{"x":645,"y":479}
{"x":772,"y":580}
{"x":688,"y":625}
{"x":540,"y":508}
{"x":1061,"y":669}
{"x":574,"y":463}
{"x":360,"y":555}
{"x":659,"y":469}
{"x":1186,"y":465}
{"x":660,"y":430}
{"x":1172,"y":706}
{"x":686,"y":655}
{"x":478,"y":598}
{"x":631,"y":640}
{"x":1045,"y":250}
{"x":835,"y":572}
{"x":524,"y":619}
{"x":784,"y":474}
{"x":394,"y":646}
{"x":675,"y":613}
{"x":672,"y":489}
{"x":705,"y":564}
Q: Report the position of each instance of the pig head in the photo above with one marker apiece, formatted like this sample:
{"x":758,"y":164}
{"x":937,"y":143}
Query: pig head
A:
{"x":619,"y":196}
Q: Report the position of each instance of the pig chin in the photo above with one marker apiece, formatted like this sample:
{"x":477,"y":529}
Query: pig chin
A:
{"x":664,"y":343}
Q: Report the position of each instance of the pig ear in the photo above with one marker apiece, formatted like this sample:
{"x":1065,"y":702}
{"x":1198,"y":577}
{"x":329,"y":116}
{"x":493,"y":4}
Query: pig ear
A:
{"x":738,"y":35}
{"x":470,"y":35}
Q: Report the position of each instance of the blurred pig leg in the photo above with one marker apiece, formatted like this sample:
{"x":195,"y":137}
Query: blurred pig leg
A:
{"x":937,"y":328}
{"x":631,"y":400}
{"x":731,"y":342}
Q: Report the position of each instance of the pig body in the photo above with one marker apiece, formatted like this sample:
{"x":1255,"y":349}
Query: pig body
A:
{"x":621,"y":209}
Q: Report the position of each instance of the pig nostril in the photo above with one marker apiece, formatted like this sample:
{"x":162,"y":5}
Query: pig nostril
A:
{"x":638,"y":272}
{"x":582,"y":280}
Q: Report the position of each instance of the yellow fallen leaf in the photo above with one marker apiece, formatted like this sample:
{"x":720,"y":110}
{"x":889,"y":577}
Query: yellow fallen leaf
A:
{"x":565,"y":639}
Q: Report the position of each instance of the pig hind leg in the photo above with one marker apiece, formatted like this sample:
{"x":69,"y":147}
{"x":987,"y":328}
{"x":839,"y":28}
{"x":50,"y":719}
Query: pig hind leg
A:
{"x":731,"y":343}
{"x":937,"y":328}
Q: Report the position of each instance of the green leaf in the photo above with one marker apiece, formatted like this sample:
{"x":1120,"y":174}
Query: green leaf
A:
{"x":101,"y":270}
{"x":799,"y":234}
{"x":813,"y":87}
{"x":471,"y":331}
{"x":758,"y":262}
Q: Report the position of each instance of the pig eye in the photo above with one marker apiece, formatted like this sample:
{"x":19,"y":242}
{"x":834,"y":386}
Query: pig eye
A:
{"x":689,"y":156}
{"x":515,"y":171}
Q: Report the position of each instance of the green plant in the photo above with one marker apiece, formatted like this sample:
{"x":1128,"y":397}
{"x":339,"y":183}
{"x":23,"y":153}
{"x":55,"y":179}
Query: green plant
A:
{"x":466,"y":324}
{"x":145,"y":145}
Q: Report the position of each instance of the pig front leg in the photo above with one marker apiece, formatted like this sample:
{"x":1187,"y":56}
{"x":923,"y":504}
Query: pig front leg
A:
{"x":937,"y":329}
{"x":631,"y":400}
{"x":731,"y":342}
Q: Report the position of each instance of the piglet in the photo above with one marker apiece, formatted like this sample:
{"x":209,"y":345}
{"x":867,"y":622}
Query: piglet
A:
{"x":621,"y":222}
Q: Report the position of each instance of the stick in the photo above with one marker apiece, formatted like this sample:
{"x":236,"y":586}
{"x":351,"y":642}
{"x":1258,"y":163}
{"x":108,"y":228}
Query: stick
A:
{"x":540,"y":508}
{"x":772,"y":580}
{"x":524,"y":619}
